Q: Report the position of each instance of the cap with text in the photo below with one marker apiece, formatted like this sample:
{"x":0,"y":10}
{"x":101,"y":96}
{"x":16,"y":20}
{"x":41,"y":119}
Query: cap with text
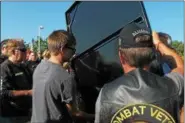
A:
{"x":128,"y":35}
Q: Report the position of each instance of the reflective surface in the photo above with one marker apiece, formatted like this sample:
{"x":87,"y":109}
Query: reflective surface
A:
{"x":100,"y":66}
{"x":92,"y":22}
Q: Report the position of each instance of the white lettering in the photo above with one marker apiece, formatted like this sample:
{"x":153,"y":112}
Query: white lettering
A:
{"x":139,"y":31}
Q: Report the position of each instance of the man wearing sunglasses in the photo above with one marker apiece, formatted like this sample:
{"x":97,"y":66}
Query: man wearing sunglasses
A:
{"x":54,"y":89}
{"x":15,"y":84}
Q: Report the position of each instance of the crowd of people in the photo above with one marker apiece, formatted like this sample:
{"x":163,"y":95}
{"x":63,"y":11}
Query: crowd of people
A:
{"x":42,"y":89}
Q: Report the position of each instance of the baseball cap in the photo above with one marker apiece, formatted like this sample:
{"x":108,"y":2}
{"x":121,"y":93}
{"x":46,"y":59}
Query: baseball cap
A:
{"x":129,"y":33}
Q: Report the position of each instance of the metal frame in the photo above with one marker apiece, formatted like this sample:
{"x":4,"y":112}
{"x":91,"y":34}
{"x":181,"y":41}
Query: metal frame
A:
{"x":144,"y":12}
{"x":78,"y":2}
{"x":68,"y":15}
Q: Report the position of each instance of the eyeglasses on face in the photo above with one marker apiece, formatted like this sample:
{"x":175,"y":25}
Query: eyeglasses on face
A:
{"x":22,"y":49}
{"x":71,"y":48}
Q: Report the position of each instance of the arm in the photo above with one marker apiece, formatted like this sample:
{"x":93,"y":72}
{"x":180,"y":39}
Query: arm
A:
{"x":182,"y":115}
{"x":76,"y":113}
{"x":15,"y":93}
{"x":169,"y":54}
{"x":177,"y":66}
{"x":69,"y":97}
{"x":6,"y":87}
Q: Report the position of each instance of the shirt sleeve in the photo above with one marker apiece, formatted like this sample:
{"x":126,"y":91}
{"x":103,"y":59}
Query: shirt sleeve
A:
{"x":166,"y":68}
{"x":98,"y":108}
{"x":69,"y":90}
{"x":179,"y":81}
{"x":5,"y":83}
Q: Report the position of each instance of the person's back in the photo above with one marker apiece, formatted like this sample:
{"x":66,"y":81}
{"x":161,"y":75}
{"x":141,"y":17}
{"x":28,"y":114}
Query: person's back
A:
{"x":139,"y":95}
{"x":140,"y":86}
{"x":48,"y":108}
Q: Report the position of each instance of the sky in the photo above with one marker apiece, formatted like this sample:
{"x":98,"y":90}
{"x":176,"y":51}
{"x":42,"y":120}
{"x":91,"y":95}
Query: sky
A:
{"x":22,"y":19}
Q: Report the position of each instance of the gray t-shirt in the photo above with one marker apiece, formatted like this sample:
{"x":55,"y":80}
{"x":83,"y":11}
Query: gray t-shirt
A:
{"x":53,"y":87}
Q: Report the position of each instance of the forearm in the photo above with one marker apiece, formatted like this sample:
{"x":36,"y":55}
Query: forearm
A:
{"x":83,"y":115}
{"x":171,"y":56}
{"x":14,"y":93}
{"x":17,"y":93}
{"x":182,"y":115}
{"x":77,"y":114}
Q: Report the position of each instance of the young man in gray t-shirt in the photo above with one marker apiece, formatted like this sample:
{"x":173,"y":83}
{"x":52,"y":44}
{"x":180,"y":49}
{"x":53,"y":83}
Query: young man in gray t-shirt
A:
{"x":53,"y":87}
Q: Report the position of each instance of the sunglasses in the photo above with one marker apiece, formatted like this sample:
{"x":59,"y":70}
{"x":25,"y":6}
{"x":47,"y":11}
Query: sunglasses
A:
{"x":22,"y":49}
{"x":71,"y":48}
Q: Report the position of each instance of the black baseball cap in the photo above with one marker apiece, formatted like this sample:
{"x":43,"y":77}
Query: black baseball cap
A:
{"x":129,"y":33}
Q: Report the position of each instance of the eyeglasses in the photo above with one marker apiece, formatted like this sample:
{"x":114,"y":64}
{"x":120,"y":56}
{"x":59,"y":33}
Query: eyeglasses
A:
{"x":22,"y":49}
{"x":73,"y":49}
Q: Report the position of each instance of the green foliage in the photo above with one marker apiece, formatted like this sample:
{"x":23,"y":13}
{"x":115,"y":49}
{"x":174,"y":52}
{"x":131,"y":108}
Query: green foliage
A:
{"x":43,"y":44}
{"x":179,"y":47}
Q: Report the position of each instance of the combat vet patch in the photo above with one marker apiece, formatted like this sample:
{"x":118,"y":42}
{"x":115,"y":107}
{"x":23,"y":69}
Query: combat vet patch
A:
{"x":142,"y":113}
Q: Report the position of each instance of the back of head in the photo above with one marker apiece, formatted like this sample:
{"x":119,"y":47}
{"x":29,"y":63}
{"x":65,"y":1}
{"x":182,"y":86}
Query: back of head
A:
{"x":136,"y":45}
{"x":165,"y":38}
{"x":58,"y":39}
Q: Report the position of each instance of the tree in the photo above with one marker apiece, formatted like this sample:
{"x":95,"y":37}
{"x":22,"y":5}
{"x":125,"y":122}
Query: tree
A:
{"x":43,"y":44}
{"x":179,"y":47}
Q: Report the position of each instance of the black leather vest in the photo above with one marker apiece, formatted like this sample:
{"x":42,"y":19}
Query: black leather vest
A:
{"x":140,"y":87}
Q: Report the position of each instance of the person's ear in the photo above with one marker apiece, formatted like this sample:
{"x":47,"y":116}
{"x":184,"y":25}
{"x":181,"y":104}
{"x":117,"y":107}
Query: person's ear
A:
{"x":63,"y":52}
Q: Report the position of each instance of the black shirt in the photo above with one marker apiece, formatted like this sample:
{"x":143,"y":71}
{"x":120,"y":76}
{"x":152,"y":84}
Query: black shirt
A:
{"x":32,"y":65}
{"x":3,"y":58}
{"x":15,"y":77}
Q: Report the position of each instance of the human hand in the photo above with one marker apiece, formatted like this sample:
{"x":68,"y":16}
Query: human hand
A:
{"x":29,"y":92}
{"x":156,"y":38}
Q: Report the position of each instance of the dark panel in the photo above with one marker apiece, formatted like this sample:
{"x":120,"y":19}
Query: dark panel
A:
{"x":96,"y":26}
{"x":93,"y":21}
{"x":99,"y":66}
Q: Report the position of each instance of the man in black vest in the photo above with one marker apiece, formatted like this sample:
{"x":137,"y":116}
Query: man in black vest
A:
{"x":141,"y":96}
{"x":15,"y":85}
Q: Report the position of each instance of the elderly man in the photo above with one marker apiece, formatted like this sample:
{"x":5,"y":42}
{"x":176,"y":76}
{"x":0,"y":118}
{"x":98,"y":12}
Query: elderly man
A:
{"x":139,"y":95}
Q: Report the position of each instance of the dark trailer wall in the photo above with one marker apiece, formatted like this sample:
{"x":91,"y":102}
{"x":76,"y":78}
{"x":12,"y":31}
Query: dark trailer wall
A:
{"x":95,"y":26}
